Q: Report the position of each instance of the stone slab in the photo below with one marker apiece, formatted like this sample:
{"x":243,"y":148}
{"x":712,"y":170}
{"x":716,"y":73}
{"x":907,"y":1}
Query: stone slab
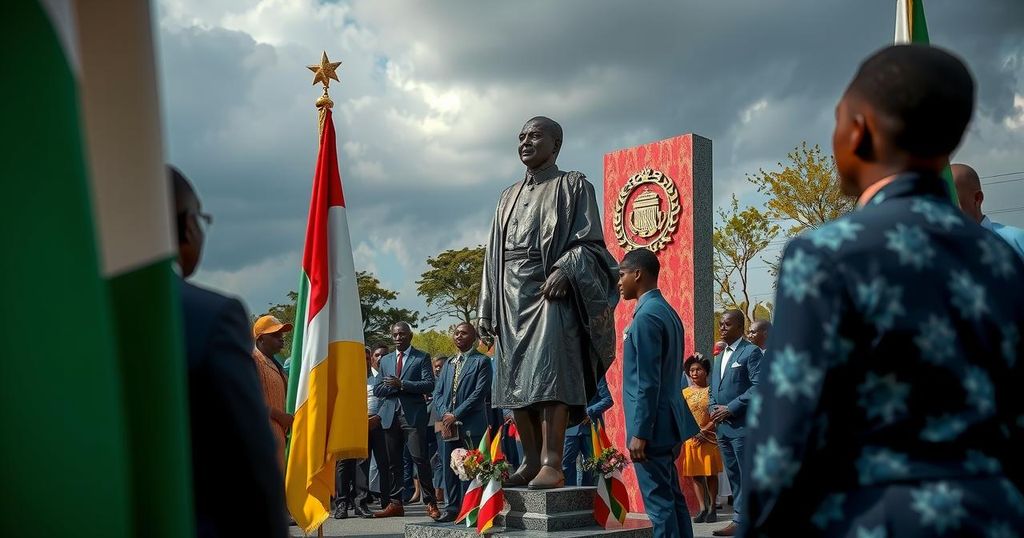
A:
{"x":547,"y":522}
{"x":634,"y":528}
{"x":550,"y":501}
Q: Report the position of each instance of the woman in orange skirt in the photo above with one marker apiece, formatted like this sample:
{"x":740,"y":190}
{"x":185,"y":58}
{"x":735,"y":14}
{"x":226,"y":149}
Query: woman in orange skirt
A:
{"x":701,"y":459}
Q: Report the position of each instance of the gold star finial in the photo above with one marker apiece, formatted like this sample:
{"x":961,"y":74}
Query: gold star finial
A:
{"x":324,"y":71}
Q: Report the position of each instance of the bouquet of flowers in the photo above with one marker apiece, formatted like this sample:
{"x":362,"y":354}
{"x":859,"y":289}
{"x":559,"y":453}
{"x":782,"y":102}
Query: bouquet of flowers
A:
{"x":608,"y":462}
{"x":470,"y":464}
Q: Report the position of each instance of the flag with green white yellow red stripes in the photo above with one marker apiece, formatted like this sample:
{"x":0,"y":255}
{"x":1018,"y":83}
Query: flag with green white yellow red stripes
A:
{"x":95,"y":400}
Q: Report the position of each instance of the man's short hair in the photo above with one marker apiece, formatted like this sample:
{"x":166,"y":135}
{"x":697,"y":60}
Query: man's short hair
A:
{"x":733,"y":312}
{"x":924,"y":95}
{"x":403,"y":324}
{"x":643,"y":259}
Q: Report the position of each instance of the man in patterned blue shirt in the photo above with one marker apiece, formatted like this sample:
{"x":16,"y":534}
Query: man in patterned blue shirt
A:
{"x":886,"y":403}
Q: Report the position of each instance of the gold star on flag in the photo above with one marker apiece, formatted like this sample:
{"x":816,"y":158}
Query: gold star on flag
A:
{"x":324,"y":71}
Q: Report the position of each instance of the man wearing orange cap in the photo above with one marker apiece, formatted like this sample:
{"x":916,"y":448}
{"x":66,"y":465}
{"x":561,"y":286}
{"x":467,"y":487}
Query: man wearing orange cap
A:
{"x":269,"y":334}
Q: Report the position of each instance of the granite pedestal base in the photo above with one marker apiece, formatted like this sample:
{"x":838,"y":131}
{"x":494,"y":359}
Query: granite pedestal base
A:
{"x":563,"y":512}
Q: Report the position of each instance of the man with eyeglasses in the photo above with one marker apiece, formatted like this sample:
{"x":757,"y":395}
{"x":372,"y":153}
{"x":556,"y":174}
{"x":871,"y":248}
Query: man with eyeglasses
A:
{"x":234,"y":464}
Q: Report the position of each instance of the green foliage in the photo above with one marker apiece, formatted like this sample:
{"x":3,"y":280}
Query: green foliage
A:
{"x":741,"y":237}
{"x":378,"y":314}
{"x":805,"y":191}
{"x":451,"y":286}
{"x":286,"y":313}
{"x":437,"y":343}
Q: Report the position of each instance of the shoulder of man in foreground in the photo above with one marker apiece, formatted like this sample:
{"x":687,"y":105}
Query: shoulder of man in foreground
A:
{"x":204,"y":312}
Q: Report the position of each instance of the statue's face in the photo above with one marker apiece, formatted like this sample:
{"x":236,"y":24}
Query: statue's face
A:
{"x":536,"y":145}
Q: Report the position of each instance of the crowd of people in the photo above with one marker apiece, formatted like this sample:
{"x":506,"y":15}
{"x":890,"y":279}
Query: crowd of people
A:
{"x":880,"y":403}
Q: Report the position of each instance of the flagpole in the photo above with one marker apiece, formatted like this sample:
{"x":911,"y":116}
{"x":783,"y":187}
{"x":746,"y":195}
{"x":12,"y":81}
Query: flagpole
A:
{"x":323,"y":73}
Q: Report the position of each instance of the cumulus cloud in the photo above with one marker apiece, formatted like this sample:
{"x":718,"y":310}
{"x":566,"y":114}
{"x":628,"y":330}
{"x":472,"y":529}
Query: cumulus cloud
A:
{"x":432,"y":97}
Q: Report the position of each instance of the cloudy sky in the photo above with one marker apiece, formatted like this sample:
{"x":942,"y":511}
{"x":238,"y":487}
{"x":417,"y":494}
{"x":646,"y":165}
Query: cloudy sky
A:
{"x":433,"y":94}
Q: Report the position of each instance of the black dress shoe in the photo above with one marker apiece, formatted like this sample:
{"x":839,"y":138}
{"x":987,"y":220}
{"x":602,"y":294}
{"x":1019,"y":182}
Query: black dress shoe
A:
{"x":360,"y":510}
{"x":699,"y":518}
{"x":447,"y":517}
{"x":341,"y":512}
{"x":711,"y":517}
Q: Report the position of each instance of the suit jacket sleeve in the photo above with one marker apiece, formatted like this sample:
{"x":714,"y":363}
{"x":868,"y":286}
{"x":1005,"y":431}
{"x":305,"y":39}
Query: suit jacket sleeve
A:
{"x":604,"y":401}
{"x":236,"y":408}
{"x":423,"y":385}
{"x":481,"y":388}
{"x":713,"y":380}
{"x":738,"y":406}
{"x":807,"y":341}
{"x":648,"y":336}
{"x":438,"y":401}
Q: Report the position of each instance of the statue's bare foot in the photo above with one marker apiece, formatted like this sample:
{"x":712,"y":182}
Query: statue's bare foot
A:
{"x":548,"y":478}
{"x":521,"y":477}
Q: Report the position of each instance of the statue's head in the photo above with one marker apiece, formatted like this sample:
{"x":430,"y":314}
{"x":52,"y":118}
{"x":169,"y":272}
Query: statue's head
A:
{"x":539,"y":142}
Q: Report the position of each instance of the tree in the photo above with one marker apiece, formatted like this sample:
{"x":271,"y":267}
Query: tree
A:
{"x":806,"y":191}
{"x":742,"y":235}
{"x":378,"y":314}
{"x":435,"y":342}
{"x":451,"y":286}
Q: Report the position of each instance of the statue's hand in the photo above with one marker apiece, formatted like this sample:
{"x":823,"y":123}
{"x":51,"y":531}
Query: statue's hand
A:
{"x":556,"y":286}
{"x":487,"y":330}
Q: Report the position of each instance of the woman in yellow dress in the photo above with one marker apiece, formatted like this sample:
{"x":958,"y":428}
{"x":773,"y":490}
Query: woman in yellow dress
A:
{"x":701,"y":459}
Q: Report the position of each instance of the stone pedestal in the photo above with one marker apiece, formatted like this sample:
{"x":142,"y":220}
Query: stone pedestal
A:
{"x":564,"y":512}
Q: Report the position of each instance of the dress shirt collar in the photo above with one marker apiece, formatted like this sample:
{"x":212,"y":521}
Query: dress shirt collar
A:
{"x":873,"y":189}
{"x":986,"y":222}
{"x":646,"y":296}
{"x":735,"y":343}
{"x":537,"y":177}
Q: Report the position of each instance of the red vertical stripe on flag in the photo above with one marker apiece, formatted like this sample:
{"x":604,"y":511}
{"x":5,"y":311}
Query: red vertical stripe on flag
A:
{"x":327,"y":192}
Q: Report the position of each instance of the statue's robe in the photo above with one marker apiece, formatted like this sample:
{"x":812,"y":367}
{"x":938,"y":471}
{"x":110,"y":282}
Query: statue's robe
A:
{"x":549,"y":351}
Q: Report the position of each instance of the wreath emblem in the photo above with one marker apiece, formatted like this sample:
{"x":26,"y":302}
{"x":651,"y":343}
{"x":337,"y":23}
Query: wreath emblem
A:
{"x":647,"y":220}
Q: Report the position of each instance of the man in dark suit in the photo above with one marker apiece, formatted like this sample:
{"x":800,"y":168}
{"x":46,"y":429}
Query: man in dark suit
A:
{"x":657,"y":419}
{"x":461,"y":399}
{"x":405,"y":377}
{"x":734,"y":374}
{"x":234,"y":463}
{"x":577,"y":437}
{"x":895,"y":369}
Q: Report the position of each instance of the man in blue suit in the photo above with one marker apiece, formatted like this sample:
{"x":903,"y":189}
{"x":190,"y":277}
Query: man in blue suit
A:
{"x":891,"y":402}
{"x":577,"y":438}
{"x":734,"y":374}
{"x":657,"y":419}
{"x":234,"y":462}
{"x":406,"y":376}
{"x":461,"y":400}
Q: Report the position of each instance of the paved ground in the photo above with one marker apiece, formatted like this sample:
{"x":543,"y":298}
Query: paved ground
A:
{"x":395,"y":527}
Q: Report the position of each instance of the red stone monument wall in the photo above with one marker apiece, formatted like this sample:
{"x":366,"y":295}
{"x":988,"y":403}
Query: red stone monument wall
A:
{"x":684,"y":162}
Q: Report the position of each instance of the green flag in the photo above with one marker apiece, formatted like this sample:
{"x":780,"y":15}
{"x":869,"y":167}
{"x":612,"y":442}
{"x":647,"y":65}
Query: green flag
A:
{"x":93,"y":395}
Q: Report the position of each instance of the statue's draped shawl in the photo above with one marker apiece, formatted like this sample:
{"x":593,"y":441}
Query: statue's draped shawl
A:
{"x":571,"y":238}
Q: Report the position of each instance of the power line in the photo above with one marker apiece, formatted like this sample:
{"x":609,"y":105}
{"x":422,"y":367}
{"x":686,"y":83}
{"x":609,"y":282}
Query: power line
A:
{"x":988,"y":183}
{"x":1005,"y":210}
{"x":1002,"y":175}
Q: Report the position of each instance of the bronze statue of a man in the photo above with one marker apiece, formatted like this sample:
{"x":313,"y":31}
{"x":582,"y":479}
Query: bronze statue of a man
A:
{"x":548,"y":295}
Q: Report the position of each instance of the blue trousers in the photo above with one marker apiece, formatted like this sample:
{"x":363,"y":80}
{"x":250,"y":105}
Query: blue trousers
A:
{"x":663,"y":500}
{"x":732,"y":456}
{"x":454,"y":489}
{"x":574,"y":444}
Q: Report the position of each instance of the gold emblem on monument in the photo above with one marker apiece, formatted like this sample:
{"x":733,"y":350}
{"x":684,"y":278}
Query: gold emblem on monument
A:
{"x":647,"y":220}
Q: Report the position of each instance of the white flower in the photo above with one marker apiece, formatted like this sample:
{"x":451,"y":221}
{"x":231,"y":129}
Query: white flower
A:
{"x":980,"y":392}
{"x":833,"y":234}
{"x":792,"y":374}
{"x":945,"y":216}
{"x":801,"y":275}
{"x":773,"y":465}
{"x":936,"y":340}
{"x":968,"y":295}
{"x":910,"y":243}
{"x":939,"y":505}
{"x":880,"y":302}
{"x":997,"y":254}
{"x":883,"y":397}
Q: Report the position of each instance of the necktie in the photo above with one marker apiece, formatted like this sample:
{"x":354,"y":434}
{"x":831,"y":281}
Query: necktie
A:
{"x":455,"y":379}
{"x":398,"y":367}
